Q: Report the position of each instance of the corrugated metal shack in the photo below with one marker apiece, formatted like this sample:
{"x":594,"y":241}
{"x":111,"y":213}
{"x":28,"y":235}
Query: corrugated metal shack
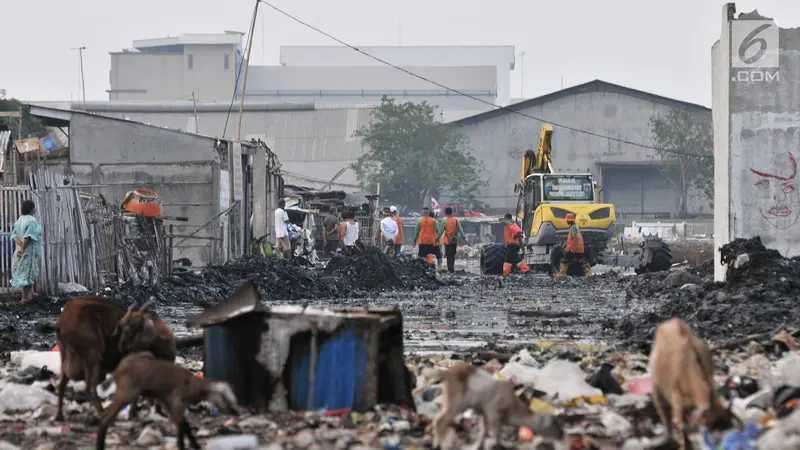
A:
{"x":215,"y":183}
{"x":297,"y":358}
{"x":361,"y":203}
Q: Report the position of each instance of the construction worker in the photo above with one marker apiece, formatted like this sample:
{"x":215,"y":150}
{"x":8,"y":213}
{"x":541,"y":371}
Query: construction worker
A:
{"x":574,"y":249}
{"x":425,"y":234}
{"x":452,"y":231}
{"x":513,"y":237}
{"x":399,"y":242}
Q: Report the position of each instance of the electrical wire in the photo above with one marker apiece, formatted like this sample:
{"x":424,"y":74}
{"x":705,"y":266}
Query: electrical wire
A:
{"x":464,"y":94}
{"x":239,"y":70}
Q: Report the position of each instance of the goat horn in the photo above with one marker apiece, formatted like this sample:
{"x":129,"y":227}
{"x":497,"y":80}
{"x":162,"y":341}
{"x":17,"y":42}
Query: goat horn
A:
{"x":130,"y":308}
{"x":146,"y":305}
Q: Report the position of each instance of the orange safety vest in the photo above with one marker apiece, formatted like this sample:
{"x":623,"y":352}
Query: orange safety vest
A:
{"x":399,"y":222}
{"x":451,"y":229}
{"x":574,"y":244}
{"x":427,"y":231}
{"x":511,"y":233}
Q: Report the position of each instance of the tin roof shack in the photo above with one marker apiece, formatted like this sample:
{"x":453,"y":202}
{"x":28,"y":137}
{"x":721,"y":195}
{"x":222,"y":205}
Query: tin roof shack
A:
{"x":361,"y":204}
{"x":297,"y":358}
{"x":198,"y":177}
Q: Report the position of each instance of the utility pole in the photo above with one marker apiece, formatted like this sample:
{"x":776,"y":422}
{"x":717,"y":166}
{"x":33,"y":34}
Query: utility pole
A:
{"x":522,"y":74}
{"x":83,"y":82}
{"x":244,"y":81}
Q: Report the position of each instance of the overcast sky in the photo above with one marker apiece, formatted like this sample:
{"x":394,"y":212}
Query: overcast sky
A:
{"x":655,"y":46}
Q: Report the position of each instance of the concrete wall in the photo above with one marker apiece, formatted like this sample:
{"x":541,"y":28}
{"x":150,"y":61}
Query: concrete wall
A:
{"x":124,"y":155}
{"x":763,"y":139}
{"x":168,"y":76}
{"x":500,"y":140}
{"x":500,"y":57}
{"x":133,"y":76}
{"x":720,"y":108}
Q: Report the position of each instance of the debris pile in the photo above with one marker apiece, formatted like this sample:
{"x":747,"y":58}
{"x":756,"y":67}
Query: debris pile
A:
{"x":280,"y":280}
{"x":760,"y":294}
{"x":599,"y":397}
{"x":373,"y":270}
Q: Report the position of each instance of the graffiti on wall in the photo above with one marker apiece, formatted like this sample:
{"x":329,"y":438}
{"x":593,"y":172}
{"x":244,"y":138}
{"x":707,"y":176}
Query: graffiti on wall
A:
{"x":777,"y":195}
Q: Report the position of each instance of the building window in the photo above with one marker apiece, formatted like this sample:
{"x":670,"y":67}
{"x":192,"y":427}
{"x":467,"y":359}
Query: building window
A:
{"x":227,"y":61}
{"x":191,"y":61}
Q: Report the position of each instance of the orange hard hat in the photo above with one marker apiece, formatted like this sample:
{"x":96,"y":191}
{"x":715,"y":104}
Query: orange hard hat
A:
{"x":570,"y":217}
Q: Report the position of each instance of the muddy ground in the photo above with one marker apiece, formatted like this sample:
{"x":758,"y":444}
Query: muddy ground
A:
{"x":443,"y":313}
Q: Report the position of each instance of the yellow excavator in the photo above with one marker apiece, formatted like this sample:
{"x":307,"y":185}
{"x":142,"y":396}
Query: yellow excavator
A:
{"x":545,"y":199}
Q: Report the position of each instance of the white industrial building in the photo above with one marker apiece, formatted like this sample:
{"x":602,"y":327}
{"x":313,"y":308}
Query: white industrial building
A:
{"x":204,"y":67}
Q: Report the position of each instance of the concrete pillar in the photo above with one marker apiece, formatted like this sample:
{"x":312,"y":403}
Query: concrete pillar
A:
{"x":756,"y":111}
{"x":260,"y":211}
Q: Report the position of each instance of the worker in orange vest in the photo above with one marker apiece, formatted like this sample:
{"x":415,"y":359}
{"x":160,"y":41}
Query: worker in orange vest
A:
{"x":574,"y":251}
{"x":398,"y":245}
{"x":453,"y":233}
{"x":513,"y":237}
{"x":425,"y":234}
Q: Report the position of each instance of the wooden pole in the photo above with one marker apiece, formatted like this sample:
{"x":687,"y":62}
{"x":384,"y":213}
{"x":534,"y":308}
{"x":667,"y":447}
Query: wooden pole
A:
{"x":244,"y":81}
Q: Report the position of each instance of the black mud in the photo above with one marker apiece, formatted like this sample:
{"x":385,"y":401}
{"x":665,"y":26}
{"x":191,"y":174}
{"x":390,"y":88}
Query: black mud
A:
{"x":760,"y":295}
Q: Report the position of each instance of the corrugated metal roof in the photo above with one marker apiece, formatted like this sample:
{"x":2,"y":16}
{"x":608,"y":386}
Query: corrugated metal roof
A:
{"x":316,"y":143}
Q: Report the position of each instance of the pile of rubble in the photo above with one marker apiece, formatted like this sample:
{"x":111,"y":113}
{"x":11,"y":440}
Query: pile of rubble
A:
{"x":373,"y":271}
{"x":760,"y":294}
{"x":600,"y":397}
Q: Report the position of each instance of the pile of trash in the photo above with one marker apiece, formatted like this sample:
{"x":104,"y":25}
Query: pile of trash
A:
{"x":599,"y":397}
{"x":373,"y":270}
{"x":760,"y":294}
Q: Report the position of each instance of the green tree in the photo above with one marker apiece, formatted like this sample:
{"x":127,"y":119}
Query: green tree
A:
{"x":412,"y":156}
{"x":685,"y":143}
{"x":31,"y":126}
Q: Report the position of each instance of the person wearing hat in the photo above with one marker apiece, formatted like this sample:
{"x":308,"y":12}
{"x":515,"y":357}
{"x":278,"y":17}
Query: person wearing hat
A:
{"x":398,"y":244}
{"x":512,"y":235}
{"x":574,"y":251}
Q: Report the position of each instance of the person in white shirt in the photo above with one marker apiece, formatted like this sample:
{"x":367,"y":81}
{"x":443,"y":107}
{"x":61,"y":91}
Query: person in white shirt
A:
{"x":349,"y":234}
{"x":282,"y":243}
{"x":387,"y":234}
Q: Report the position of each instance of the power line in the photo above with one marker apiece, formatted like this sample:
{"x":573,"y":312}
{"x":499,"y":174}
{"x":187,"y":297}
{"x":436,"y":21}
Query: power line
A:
{"x":456,"y":91}
{"x":239,"y":71}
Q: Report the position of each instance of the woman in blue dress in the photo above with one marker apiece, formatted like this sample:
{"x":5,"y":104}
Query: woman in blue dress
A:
{"x":27,"y":236}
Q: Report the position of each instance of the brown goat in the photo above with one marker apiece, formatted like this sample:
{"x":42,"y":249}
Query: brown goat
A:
{"x":94,"y":334}
{"x":683,"y":379}
{"x":177,"y":388}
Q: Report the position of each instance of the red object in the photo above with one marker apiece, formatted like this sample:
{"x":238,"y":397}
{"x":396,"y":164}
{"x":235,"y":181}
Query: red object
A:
{"x":144,"y":202}
{"x":56,"y":348}
{"x":337,"y":412}
{"x":641,"y":386}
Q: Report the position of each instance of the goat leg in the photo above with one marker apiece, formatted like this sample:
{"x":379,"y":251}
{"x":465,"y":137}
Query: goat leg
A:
{"x":92,"y":378}
{"x":107,"y":418}
{"x":661,"y":405}
{"x":186,"y":430}
{"x":62,"y":386}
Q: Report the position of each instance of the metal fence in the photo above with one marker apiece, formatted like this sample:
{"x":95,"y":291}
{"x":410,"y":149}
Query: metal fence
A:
{"x":11,"y":198}
{"x":84,"y":240}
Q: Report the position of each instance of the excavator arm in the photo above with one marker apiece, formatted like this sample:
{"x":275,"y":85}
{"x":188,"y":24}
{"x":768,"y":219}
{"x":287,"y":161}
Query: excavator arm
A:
{"x":542,"y":160}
